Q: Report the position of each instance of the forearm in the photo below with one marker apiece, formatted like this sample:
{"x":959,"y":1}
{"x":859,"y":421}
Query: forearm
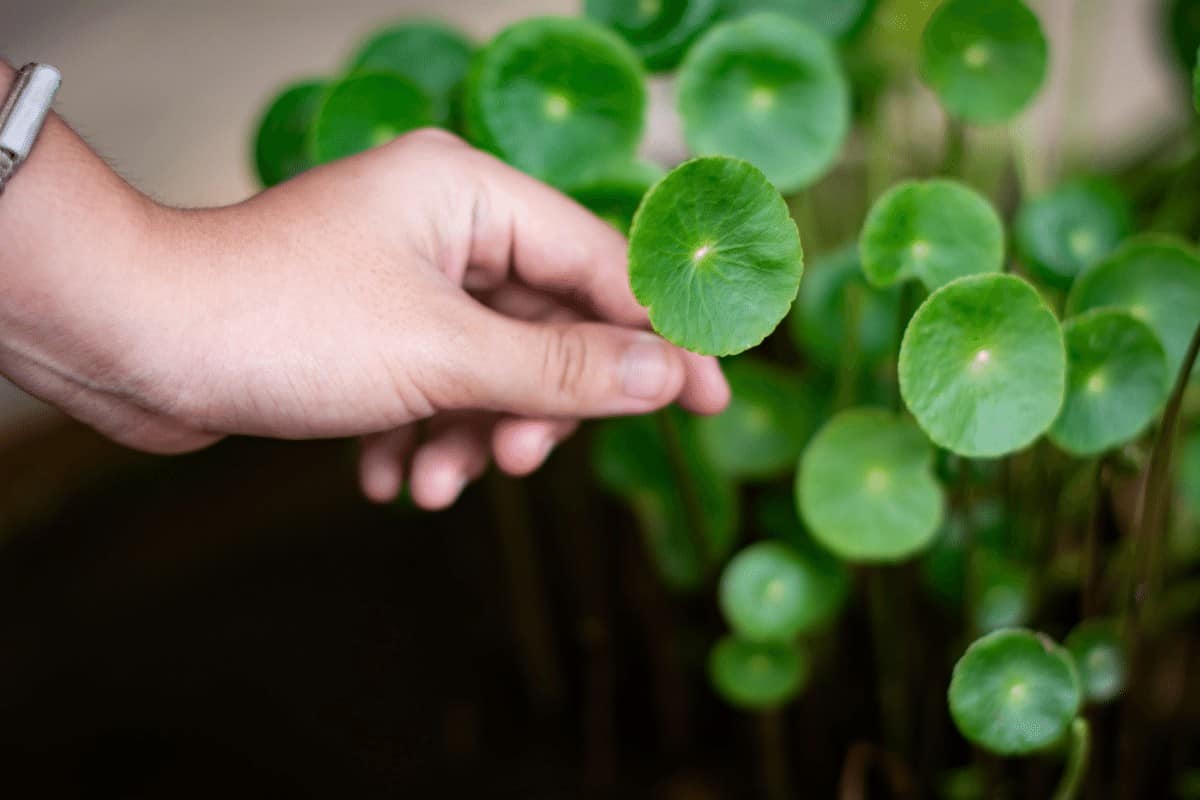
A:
{"x":74,"y":241}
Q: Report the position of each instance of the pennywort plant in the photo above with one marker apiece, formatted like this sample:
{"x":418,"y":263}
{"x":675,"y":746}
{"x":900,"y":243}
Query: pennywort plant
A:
{"x":971,"y":454}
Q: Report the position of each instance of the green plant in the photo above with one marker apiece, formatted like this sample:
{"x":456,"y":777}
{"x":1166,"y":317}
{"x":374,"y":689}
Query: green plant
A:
{"x":968,"y":423}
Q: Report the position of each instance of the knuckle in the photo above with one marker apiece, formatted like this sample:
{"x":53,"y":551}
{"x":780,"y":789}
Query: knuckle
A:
{"x":565,"y":361}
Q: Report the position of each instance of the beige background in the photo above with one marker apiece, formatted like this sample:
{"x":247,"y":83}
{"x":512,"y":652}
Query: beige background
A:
{"x":168,"y":90}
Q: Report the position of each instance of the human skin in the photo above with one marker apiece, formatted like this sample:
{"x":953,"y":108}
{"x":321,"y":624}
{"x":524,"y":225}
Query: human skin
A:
{"x":420,"y":282}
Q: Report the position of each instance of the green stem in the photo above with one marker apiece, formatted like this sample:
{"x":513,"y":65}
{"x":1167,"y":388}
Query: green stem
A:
{"x":693,"y":509}
{"x":846,"y":382}
{"x":903,"y":312}
{"x":1077,"y":761}
{"x":889,"y":668}
{"x":773,"y":754}
{"x":1091,"y":541}
{"x":1152,"y":505}
{"x":955,"y":156}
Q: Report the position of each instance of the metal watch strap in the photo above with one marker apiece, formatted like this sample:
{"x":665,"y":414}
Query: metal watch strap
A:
{"x":23,"y":114}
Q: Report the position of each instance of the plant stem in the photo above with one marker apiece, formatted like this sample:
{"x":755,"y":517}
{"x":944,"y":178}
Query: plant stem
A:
{"x":955,"y":155}
{"x":531,"y":624}
{"x":1077,"y":761}
{"x":1091,"y":541}
{"x":846,"y":385}
{"x":904,"y":304}
{"x":889,"y":667}
{"x":773,"y":754}
{"x":692,"y":508}
{"x":1152,"y":504}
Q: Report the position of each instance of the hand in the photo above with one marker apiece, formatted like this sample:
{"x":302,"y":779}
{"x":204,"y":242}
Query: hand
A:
{"x":423,"y":280}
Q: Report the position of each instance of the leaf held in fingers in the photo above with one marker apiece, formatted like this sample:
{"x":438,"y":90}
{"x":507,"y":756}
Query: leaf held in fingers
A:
{"x":715,"y":256}
{"x":757,"y":675}
{"x":365,"y":110}
{"x":866,"y":487}
{"x":985,"y":59}
{"x":557,"y":98}
{"x":1117,"y":382}
{"x":983,"y":366}
{"x":1014,"y":692}
{"x":935,"y":231}
{"x":768,"y":89}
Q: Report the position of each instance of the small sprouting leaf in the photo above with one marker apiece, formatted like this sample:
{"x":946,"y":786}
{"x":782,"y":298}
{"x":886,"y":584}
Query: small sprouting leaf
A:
{"x":768,"y":422}
{"x":770,"y":592}
{"x":983,"y":366}
{"x":834,"y":18}
{"x":1066,"y":231}
{"x":1014,"y":692}
{"x":934,"y":230}
{"x":715,"y":256}
{"x":1117,"y":381}
{"x":660,"y":31}
{"x":430,"y":54}
{"x":615,"y":193}
{"x":985,"y":59}
{"x":866,"y":488}
{"x":834,"y":292}
{"x":757,"y":675}
{"x":632,"y":461}
{"x":281,"y":146}
{"x":1003,"y":591}
{"x":1099,"y":653}
{"x":1157,"y":280}
{"x":365,"y":110}
{"x":557,"y":98}
{"x":769,"y":89}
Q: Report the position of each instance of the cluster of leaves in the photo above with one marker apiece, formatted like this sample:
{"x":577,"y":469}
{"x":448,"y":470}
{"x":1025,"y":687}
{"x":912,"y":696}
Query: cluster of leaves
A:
{"x":922,"y":361}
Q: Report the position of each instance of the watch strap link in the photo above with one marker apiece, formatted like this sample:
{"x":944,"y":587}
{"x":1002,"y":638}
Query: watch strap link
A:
{"x":23,"y":114}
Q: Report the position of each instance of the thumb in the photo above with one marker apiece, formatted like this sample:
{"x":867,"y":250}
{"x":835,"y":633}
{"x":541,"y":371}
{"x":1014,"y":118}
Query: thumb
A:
{"x":580,"y":369}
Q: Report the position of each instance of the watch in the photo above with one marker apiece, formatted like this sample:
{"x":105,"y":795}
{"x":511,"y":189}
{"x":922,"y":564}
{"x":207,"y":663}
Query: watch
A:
{"x":23,"y":114}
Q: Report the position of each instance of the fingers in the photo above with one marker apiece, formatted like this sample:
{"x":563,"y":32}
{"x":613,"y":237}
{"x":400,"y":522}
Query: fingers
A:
{"x":706,"y":391}
{"x":381,"y":465}
{"x":549,"y":242}
{"x":554,"y":369}
{"x":455,"y":454}
{"x":522,"y":445}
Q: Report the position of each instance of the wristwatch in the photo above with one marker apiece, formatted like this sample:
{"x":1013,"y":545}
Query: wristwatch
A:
{"x":23,"y":114}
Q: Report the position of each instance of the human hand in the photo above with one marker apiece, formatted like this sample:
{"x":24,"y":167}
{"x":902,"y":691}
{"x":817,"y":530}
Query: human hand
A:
{"x":423,"y":280}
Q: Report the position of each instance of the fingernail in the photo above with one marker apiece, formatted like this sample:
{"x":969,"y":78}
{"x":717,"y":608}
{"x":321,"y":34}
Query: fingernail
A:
{"x":645,"y":368}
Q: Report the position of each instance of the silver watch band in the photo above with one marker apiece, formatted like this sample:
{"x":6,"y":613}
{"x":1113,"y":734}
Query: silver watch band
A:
{"x":23,"y":114}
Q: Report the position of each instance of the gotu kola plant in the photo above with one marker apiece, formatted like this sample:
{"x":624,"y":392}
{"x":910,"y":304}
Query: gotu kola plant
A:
{"x":987,"y":381}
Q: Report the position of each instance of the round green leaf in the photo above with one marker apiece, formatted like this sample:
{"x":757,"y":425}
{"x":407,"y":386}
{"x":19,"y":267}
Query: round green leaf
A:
{"x":1003,"y":591}
{"x":866,"y":488}
{"x":983,"y":366}
{"x":770,"y":592}
{"x":757,"y":675}
{"x":833,"y":18}
{"x":433,"y":56}
{"x":631,"y":460}
{"x":776,"y":517}
{"x":832,"y":293}
{"x":768,"y":89}
{"x":766,"y":426}
{"x":1067,"y":230}
{"x":281,"y":146}
{"x":557,"y":98}
{"x":1157,"y":280}
{"x":1099,"y":653}
{"x":935,"y":231}
{"x":365,"y":110}
{"x":985,"y":59}
{"x":615,"y":194}
{"x":715,"y":256}
{"x":660,"y":31}
{"x":1014,"y":692}
{"x":1117,"y":382}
